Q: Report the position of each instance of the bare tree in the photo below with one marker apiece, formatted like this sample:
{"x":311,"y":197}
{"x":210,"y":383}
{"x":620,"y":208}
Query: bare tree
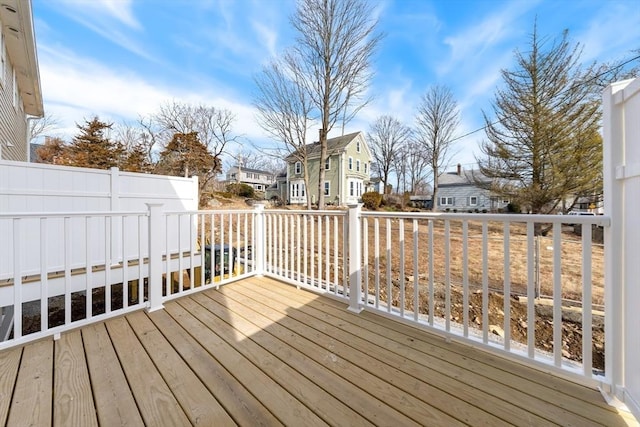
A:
{"x":386,"y":136}
{"x":400,"y":168}
{"x":136,"y":156}
{"x":42,"y":126}
{"x":213,"y":125}
{"x":416,"y":168}
{"x":331,"y":61}
{"x":284,"y":110}
{"x":252,"y":159}
{"x":436,"y":123}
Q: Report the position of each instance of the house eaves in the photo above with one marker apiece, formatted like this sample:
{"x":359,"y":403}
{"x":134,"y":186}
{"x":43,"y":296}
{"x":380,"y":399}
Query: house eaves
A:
{"x":18,"y":30}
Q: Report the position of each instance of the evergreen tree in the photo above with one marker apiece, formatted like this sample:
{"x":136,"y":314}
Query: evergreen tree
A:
{"x":545,"y":144}
{"x":92,"y":148}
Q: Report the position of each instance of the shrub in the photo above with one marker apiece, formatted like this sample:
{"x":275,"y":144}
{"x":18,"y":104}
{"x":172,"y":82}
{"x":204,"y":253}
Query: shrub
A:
{"x":372,"y":200}
{"x":242,"y":190}
{"x":513,"y":208}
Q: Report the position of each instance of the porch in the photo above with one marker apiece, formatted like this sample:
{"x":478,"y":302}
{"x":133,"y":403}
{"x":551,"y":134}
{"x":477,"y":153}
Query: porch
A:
{"x":261,"y":352}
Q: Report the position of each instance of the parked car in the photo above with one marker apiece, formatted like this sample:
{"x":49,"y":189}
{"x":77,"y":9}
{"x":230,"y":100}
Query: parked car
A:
{"x":579,"y":213}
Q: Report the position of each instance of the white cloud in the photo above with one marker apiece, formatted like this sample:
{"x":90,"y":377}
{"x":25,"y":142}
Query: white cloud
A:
{"x":102,"y":10}
{"x":76,"y":88}
{"x":611,"y":32}
{"x":111,"y":19}
{"x":475,"y":44}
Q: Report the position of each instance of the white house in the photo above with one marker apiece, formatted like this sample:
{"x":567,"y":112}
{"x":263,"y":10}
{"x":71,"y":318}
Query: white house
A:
{"x":459,"y":191}
{"x":20,"y":92}
{"x":258,"y":179}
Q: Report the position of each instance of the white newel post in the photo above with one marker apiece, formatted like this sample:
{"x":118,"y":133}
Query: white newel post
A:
{"x":259,"y":251}
{"x":155,"y":256}
{"x":355,"y":251}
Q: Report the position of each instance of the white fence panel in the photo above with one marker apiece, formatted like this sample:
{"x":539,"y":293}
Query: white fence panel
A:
{"x":621,"y":102}
{"x":34,"y":188}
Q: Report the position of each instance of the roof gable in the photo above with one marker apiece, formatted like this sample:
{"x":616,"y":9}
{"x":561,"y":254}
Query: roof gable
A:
{"x":334,"y":145}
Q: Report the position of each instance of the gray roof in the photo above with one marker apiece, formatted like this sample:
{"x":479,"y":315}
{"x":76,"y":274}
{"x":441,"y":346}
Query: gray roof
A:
{"x":262,"y":172}
{"x":334,"y":145}
{"x":466,"y":177}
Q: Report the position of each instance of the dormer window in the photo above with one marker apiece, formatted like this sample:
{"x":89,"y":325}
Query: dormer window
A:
{"x":358,"y":146}
{"x":298,"y":168}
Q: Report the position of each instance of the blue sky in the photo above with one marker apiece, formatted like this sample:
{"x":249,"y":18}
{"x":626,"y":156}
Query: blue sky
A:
{"x":120,"y":59}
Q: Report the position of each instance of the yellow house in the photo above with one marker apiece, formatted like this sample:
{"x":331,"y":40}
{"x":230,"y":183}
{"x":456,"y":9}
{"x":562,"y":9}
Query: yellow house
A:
{"x":347,"y":171}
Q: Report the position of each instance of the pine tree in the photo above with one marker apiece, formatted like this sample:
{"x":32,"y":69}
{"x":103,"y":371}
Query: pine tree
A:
{"x":544,"y":145}
{"x":92,"y":148}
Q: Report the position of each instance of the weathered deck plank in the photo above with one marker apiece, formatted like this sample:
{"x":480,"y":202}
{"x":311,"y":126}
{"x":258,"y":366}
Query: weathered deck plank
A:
{"x":153,"y":397}
{"x":275,"y":397}
{"x":9,"y":365}
{"x":73,"y":401}
{"x":325,"y":392}
{"x":32,"y":398}
{"x":259,"y":352}
{"x":200,"y":406}
{"x":114,"y":402}
{"x":448,"y":398}
{"x":241,"y":405}
{"x":446,"y":369}
{"x":535,"y":391}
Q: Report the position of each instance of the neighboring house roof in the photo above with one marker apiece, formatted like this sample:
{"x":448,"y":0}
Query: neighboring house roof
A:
{"x":262,"y":172}
{"x":17,"y":24}
{"x":334,"y":145}
{"x":461,"y":178}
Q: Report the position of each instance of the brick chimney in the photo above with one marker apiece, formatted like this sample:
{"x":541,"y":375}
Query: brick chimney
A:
{"x":459,"y":172}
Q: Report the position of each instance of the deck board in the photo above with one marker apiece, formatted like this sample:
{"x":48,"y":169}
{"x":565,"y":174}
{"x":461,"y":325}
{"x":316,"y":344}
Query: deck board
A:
{"x":320,"y":389}
{"x":443,"y":366}
{"x":32,"y":397}
{"x":240,"y":404}
{"x":73,"y":405}
{"x":444,"y":394}
{"x":153,"y":397}
{"x":260,"y":352}
{"x":199,"y":404}
{"x":113,"y":398}
{"x":9,"y":365}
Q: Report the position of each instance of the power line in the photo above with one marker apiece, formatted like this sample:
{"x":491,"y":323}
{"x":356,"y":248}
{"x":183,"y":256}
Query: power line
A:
{"x":597,"y":76}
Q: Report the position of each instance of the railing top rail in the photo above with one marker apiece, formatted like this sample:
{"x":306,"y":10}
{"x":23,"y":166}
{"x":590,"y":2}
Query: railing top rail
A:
{"x":212,"y":211}
{"x":71,"y":214}
{"x":601,"y":220}
{"x":306,"y":212}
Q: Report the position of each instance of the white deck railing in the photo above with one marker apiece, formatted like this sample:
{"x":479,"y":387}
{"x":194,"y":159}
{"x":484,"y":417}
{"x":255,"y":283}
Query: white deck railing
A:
{"x":440,"y":271}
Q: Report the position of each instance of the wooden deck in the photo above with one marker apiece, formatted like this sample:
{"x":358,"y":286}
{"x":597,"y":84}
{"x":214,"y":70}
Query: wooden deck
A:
{"x":259,"y":352}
